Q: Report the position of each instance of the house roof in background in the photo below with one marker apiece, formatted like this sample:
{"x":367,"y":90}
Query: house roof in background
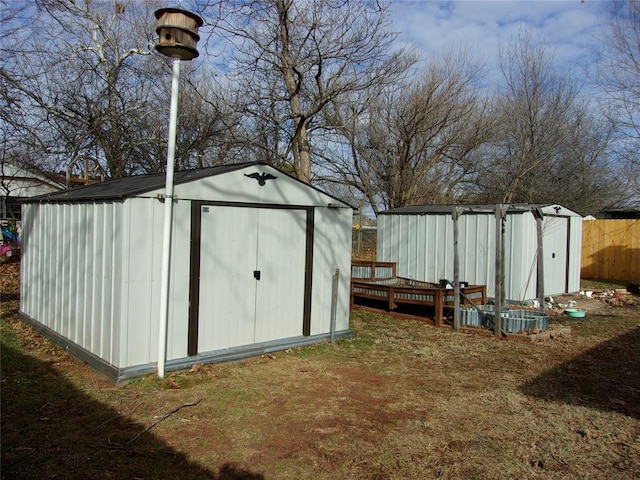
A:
{"x":27,"y":175}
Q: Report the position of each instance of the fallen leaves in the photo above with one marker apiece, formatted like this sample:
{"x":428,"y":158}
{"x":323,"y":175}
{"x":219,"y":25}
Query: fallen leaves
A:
{"x":588,"y":434}
{"x":172,"y":383}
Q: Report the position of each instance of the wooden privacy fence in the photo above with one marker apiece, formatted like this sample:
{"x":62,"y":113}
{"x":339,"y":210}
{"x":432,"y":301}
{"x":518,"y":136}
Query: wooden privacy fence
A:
{"x":611,"y":249}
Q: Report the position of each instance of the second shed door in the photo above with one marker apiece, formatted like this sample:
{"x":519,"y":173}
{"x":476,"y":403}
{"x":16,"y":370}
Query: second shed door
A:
{"x":252,"y":275}
{"x":554,"y":246}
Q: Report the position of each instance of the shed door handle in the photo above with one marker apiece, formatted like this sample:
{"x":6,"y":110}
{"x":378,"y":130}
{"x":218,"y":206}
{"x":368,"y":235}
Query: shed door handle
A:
{"x":256,"y":274}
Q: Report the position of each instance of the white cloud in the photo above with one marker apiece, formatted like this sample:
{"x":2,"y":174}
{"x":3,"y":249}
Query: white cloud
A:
{"x":571,"y":30}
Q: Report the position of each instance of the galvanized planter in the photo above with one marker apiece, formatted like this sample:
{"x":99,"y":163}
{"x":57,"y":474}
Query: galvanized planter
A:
{"x":517,"y":321}
{"x":489,"y":314}
{"x":469,"y":316}
{"x":513,"y":321}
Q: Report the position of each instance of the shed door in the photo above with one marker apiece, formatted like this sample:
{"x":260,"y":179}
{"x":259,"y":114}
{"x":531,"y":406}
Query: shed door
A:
{"x":554,"y":246}
{"x":252,"y":275}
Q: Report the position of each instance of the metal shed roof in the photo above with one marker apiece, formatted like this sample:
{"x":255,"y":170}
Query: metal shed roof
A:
{"x":468,"y":209}
{"x":125,"y":187}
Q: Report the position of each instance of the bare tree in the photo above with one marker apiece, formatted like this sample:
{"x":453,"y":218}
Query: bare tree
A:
{"x":547,"y":146}
{"x":412,"y":143}
{"x":619,"y":79}
{"x":15,"y":23}
{"x":293,"y":58}
{"x":80,"y":74}
{"x":529,"y":114}
{"x":208,"y":125}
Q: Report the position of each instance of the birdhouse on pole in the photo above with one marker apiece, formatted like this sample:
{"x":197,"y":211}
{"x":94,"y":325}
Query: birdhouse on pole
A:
{"x":178,"y":33}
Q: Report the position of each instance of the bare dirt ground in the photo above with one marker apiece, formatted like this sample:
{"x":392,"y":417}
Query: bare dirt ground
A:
{"x":401,"y":400}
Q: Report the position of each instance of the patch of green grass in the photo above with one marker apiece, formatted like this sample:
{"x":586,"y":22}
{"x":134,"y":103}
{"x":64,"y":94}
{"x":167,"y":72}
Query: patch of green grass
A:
{"x":9,"y":337}
{"x":147,"y":384}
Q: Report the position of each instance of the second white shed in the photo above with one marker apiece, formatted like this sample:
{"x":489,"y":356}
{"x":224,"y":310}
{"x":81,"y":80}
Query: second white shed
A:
{"x":254,"y":260}
{"x":420,"y":240}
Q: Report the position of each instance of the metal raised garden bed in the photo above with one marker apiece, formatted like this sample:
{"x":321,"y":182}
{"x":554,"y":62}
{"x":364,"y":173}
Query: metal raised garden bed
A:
{"x":513,"y":320}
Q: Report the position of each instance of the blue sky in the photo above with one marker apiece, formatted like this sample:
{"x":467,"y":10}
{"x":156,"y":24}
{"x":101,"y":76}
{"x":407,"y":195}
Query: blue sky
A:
{"x":571,"y":30}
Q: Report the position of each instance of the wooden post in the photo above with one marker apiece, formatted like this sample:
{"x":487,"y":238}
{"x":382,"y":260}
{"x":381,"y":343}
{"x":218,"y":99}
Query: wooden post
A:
{"x":499,"y":273}
{"x":360,"y":229}
{"x":537,"y":213}
{"x":455,"y":213}
{"x":438,"y":307}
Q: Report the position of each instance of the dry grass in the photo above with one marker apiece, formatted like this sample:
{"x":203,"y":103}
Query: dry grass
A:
{"x":399,"y":400}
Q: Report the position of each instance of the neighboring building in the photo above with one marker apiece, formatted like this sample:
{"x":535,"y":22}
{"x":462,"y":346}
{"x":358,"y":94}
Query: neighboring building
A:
{"x":18,"y":183}
{"x":254,"y":261}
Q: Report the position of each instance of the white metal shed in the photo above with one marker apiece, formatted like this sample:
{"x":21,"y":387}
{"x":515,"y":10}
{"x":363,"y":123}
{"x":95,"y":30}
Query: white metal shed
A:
{"x":253,"y":269}
{"x":420,"y":240}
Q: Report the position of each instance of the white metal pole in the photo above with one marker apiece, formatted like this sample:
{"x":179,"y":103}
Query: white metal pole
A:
{"x":334,"y":304}
{"x":168,"y":221}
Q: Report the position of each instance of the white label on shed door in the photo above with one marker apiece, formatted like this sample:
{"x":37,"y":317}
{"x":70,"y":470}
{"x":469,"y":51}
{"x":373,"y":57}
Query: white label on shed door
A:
{"x":252,"y":270}
{"x":554,"y":247}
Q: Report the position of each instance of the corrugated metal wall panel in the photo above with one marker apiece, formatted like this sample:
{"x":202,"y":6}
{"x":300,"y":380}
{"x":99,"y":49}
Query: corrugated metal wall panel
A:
{"x":29,"y":251}
{"x":142,"y":314}
{"x":108,"y":280}
{"x":62,"y":269}
{"x":521,"y":250}
{"x":178,"y":327}
{"x":88,"y":330}
{"x":141,"y":222}
{"x":47,"y":301}
{"x":121,"y":341}
{"x":476,"y":249}
{"x":575,"y":253}
{"x":57,"y":267}
{"x":95,"y":313}
{"x":45,"y":305}
{"x":331,"y":241}
{"x":77,"y":280}
{"x":86,"y":276}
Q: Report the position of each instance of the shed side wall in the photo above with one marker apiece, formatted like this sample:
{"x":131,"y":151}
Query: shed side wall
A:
{"x":145,"y":220}
{"x":71,"y":273}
